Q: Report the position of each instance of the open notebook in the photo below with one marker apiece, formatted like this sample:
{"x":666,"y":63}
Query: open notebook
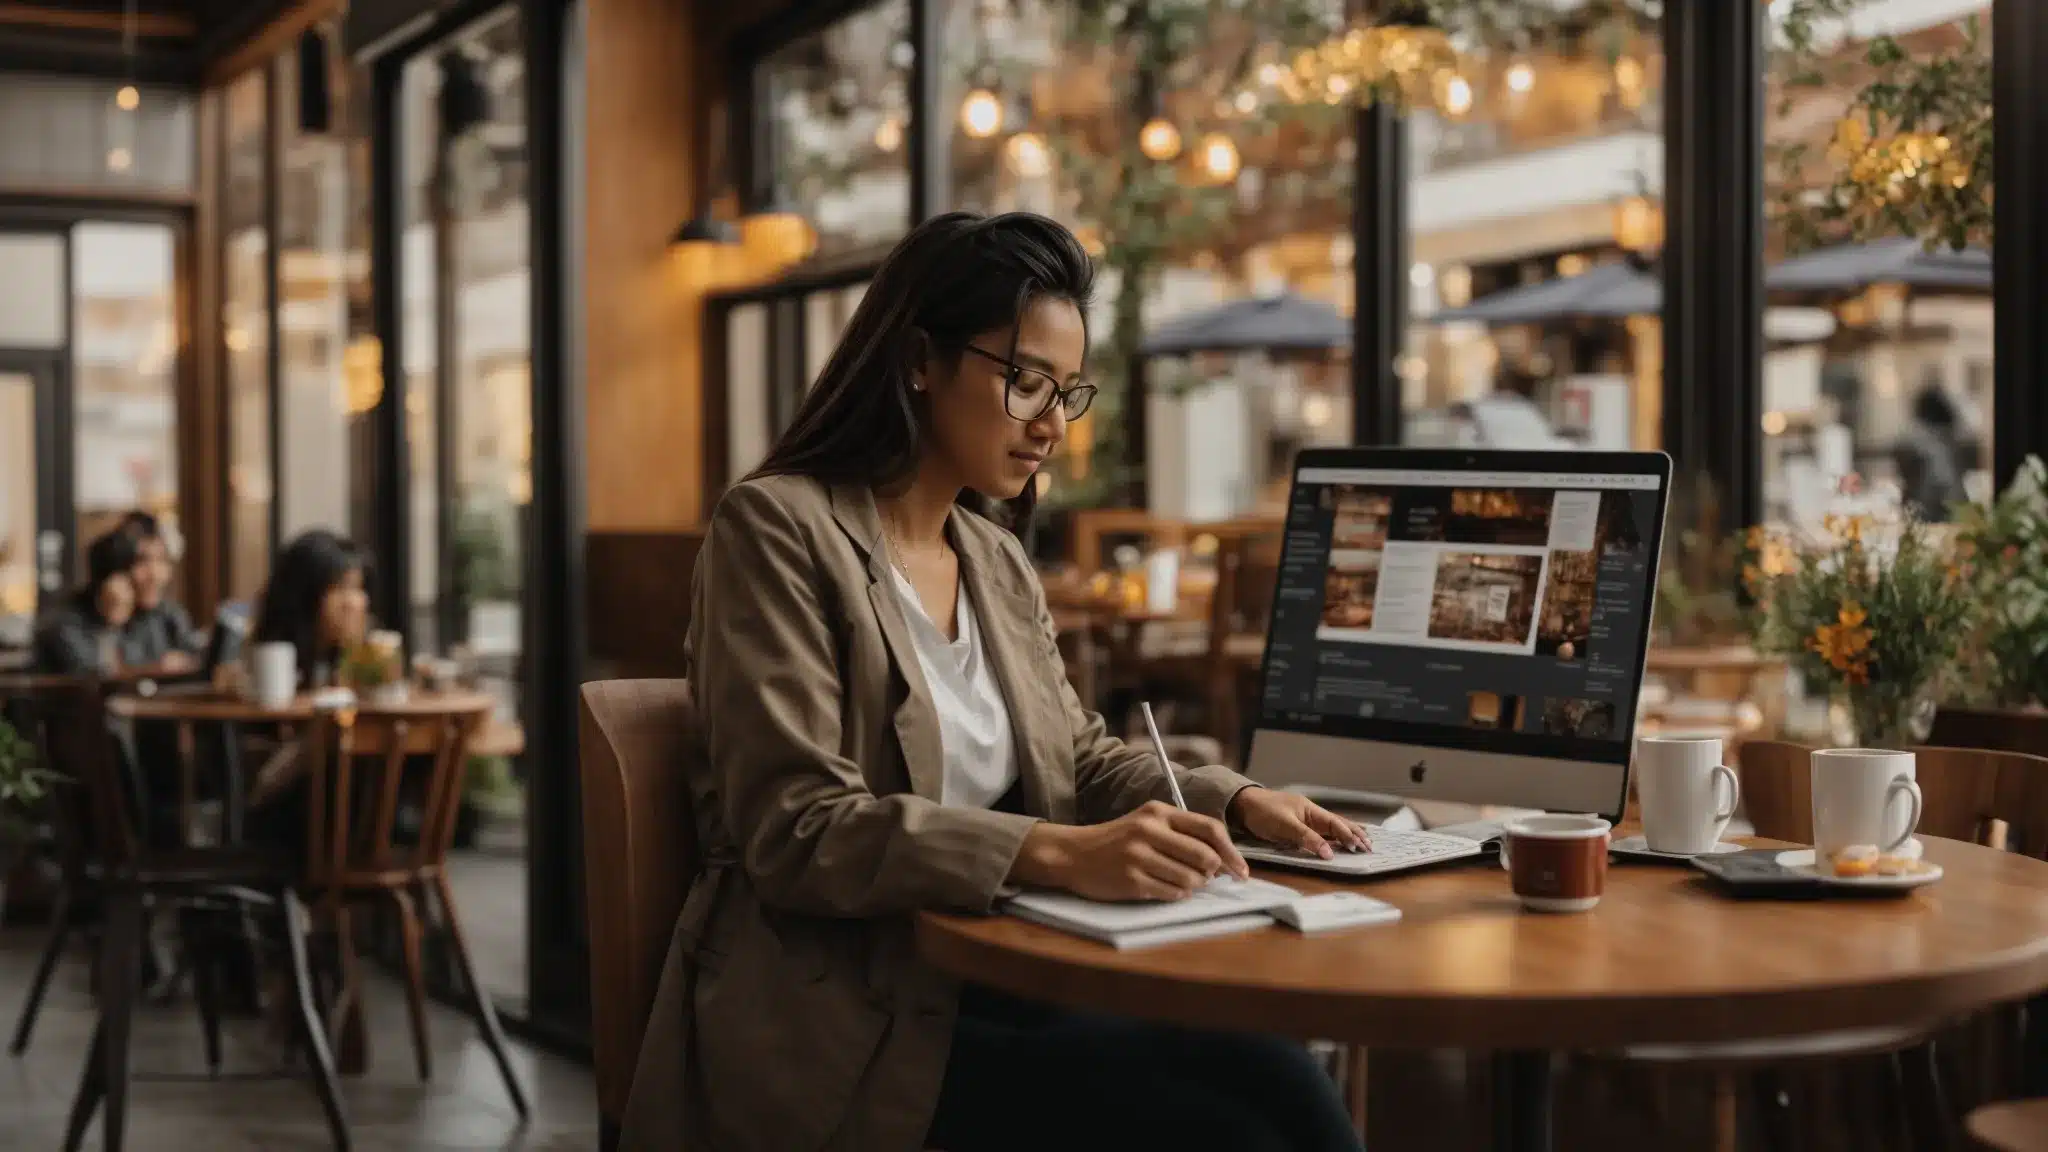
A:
{"x":1224,"y":906}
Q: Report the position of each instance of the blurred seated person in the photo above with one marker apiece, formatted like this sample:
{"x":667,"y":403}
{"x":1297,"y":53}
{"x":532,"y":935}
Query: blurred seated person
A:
{"x":160,"y":634}
{"x":82,"y":635}
{"x":1929,"y":457}
{"x":315,"y":602}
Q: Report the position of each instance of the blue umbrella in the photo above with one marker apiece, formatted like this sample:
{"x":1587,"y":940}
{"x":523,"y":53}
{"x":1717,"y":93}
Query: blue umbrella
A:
{"x":1845,"y":269}
{"x":1283,"y":323}
{"x":1606,"y":292}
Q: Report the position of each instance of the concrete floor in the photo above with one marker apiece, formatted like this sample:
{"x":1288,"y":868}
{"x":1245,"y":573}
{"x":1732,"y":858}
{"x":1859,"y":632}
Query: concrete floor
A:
{"x":465,"y":1106}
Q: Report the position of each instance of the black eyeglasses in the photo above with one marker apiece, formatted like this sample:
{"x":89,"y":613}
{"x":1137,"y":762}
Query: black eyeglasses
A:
{"x":1029,"y":394}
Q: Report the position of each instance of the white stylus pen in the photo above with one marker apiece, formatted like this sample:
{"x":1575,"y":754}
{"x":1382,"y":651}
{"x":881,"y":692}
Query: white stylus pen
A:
{"x":1159,"y":749}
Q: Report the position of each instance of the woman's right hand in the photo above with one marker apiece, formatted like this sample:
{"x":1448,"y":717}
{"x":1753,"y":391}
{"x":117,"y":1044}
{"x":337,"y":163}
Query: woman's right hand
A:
{"x":1157,"y":852}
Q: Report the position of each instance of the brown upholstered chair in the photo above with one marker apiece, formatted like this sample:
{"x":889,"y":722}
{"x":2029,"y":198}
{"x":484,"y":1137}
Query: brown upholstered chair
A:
{"x":640,"y":854}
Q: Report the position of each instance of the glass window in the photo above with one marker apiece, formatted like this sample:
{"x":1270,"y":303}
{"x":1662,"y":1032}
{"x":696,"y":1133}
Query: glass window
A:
{"x":246,"y":333}
{"x":76,"y":132}
{"x":1166,"y":140}
{"x":840,"y":104}
{"x":467,"y":345}
{"x":1875,"y":371}
{"x":322,"y":396}
{"x":124,"y":373}
{"x":1539,"y":159}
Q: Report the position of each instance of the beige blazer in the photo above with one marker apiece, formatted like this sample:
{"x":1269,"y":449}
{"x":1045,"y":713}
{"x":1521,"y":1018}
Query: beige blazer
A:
{"x":794,"y":1012}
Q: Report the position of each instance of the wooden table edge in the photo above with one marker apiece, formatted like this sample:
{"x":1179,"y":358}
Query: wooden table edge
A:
{"x":1402,"y":1019}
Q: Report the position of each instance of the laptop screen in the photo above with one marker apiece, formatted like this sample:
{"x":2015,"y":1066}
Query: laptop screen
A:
{"x":1496,"y":610}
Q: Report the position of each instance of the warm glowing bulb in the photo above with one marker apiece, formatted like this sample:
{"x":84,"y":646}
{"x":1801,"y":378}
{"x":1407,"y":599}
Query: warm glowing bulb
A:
{"x":127,"y":99}
{"x":1219,"y":157}
{"x":981,"y":114}
{"x":889,"y":134}
{"x":1521,"y":78}
{"x":1775,"y":423}
{"x":1247,"y":102}
{"x":119,"y":159}
{"x":1570,"y":264}
{"x":238,"y":339}
{"x":1628,"y":72}
{"x":1029,"y":156}
{"x":1159,"y":139}
{"x":1458,"y":96}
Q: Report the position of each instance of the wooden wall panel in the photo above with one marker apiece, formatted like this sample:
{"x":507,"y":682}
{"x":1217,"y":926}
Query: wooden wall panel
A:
{"x":645,"y":107}
{"x":638,"y":600}
{"x":202,"y":458}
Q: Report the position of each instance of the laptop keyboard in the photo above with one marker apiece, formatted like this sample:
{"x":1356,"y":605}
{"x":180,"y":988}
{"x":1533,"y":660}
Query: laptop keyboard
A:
{"x":1391,"y":850}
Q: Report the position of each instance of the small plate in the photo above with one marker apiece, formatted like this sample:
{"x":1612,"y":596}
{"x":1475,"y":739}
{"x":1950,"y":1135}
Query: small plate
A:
{"x":1639,"y":847}
{"x":1801,"y":861}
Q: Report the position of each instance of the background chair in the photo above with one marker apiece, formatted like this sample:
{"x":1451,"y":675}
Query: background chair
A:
{"x":356,"y":852}
{"x":133,"y":877}
{"x":640,"y":856}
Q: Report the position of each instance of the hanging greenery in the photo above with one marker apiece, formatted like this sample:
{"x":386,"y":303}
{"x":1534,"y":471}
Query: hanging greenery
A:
{"x":1910,"y":155}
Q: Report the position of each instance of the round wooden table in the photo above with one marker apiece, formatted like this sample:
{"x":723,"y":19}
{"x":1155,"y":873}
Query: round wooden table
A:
{"x":1663,"y":959}
{"x":498,"y":737}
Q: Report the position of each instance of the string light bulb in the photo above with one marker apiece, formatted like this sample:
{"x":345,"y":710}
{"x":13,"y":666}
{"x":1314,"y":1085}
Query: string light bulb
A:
{"x":128,"y":99}
{"x":1159,"y":139}
{"x":119,"y":159}
{"x":1521,"y":78}
{"x":981,"y":114}
{"x":889,"y":134}
{"x":1029,"y":156}
{"x":1457,"y":95}
{"x":1218,"y":156}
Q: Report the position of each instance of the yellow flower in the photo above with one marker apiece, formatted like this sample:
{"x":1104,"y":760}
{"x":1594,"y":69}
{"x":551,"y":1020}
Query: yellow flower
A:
{"x":1755,"y":538}
{"x":1851,"y":615}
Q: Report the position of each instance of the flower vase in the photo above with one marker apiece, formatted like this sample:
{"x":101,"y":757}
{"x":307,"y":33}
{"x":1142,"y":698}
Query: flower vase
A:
{"x":1871,"y":717}
{"x":386,"y":695}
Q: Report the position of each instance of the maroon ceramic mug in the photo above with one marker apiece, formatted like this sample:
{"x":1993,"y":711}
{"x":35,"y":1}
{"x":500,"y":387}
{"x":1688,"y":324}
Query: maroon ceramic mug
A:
{"x":1556,"y":863}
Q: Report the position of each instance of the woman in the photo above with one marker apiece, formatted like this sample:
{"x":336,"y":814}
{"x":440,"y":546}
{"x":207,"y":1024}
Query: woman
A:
{"x":82,"y":637}
{"x":315,"y":602}
{"x":887,"y":728}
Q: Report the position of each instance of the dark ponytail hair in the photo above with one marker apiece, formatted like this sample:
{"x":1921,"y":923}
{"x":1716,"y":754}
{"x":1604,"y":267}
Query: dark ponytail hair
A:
{"x":951,"y":279}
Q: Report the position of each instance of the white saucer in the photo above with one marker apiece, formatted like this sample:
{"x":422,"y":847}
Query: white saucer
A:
{"x":1638,"y":846}
{"x":1801,"y":861}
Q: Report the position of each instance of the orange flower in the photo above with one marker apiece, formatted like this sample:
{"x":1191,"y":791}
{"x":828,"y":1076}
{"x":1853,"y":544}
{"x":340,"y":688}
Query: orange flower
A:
{"x":1851,"y":615}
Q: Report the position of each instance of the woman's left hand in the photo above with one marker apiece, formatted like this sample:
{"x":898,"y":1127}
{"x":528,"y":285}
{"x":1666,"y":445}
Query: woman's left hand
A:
{"x":1294,"y":821}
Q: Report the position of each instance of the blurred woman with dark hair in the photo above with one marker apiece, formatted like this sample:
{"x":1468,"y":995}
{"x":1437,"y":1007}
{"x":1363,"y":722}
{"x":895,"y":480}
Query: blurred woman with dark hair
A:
{"x":82,"y":636}
{"x":316,"y":602}
{"x":886,"y":727}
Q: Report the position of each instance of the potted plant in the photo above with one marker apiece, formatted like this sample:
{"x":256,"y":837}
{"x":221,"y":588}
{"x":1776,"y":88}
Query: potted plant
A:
{"x":1876,"y":612}
{"x":375,"y":668}
{"x":22,"y":785}
{"x":485,"y":577}
{"x":2007,"y":544}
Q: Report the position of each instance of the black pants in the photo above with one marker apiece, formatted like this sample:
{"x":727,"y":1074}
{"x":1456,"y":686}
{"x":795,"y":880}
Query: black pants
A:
{"x":1029,"y":1076}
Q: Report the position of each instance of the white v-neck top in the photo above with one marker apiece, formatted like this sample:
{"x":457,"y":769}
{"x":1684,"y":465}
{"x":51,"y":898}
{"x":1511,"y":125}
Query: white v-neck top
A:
{"x":974,"y":723}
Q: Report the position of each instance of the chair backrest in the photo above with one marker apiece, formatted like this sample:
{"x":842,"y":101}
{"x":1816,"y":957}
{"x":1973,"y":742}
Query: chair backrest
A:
{"x":1247,"y":565}
{"x":96,"y":806}
{"x":1979,"y":795}
{"x":640,"y":856}
{"x":1984,"y":795}
{"x":360,"y":773}
{"x":2003,"y":729}
{"x":1777,"y":789}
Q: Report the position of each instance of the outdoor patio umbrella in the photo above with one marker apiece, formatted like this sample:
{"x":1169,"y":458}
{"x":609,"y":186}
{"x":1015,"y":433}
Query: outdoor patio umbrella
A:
{"x":1608,"y":291}
{"x":1283,"y":323}
{"x":1846,"y":269}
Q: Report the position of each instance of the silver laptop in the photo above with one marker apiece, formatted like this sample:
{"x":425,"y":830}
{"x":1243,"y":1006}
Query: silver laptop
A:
{"x":1459,"y":626}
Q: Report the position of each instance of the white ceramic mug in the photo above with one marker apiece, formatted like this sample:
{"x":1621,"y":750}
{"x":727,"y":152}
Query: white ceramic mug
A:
{"x":1679,"y":781}
{"x":274,"y":674}
{"x":1855,"y":792}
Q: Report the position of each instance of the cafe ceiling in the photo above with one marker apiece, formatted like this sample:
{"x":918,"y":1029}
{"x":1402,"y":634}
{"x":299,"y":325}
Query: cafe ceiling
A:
{"x":160,"y":41}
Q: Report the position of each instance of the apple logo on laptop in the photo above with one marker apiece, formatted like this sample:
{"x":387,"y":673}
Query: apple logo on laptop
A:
{"x":1418,"y":771}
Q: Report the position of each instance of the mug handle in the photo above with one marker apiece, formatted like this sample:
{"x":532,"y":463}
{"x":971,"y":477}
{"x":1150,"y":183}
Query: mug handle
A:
{"x":1504,"y":865}
{"x":1902,"y":786}
{"x":1723,"y":815}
